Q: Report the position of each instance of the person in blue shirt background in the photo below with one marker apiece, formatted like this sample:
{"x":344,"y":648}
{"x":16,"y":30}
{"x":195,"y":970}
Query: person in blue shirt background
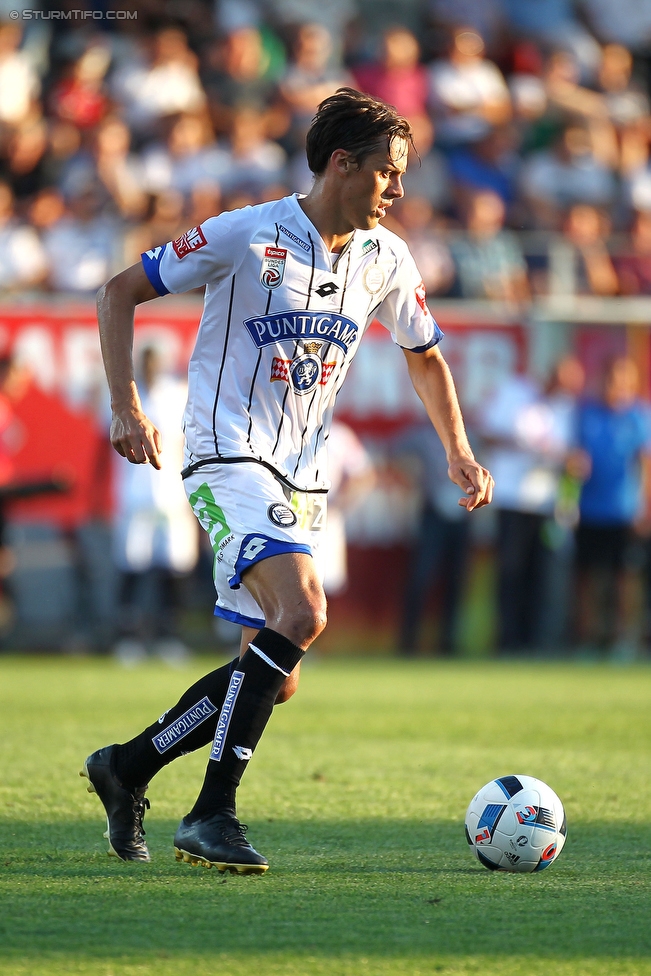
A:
{"x":614,"y":435}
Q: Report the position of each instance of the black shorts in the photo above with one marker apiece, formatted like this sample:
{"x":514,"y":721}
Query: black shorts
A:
{"x":602,"y":545}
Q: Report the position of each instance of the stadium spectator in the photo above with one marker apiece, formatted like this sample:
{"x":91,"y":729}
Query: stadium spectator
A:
{"x":164,"y":223}
{"x":309,"y":77}
{"x":335,"y":16}
{"x":415,"y":222}
{"x":467,"y":90}
{"x":427,"y":172}
{"x":570,"y":172}
{"x":47,"y":207}
{"x":488,"y":260}
{"x":554,"y":24}
{"x":189,"y":157}
{"x":488,"y":163}
{"x":634,"y":269}
{"x":397,"y":76}
{"x":487,"y":18}
{"x":237,"y":70}
{"x":254,"y":162}
{"x":83,"y":246}
{"x":112,"y":168}
{"x":155,"y":533}
{"x":615,"y":434}
{"x":352,"y":477}
{"x":163,"y":82}
{"x":205,"y":201}
{"x":530,"y":432}
{"x":64,"y":141}
{"x":19,"y":83}
{"x":79,"y":96}
{"x":587,"y":229}
{"x":626,"y":101}
{"x":23,"y":262}
{"x":25,"y":164}
{"x":439,"y":556}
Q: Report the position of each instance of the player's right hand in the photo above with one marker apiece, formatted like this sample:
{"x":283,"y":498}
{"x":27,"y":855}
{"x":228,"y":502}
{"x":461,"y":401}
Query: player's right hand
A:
{"x":135,"y":437}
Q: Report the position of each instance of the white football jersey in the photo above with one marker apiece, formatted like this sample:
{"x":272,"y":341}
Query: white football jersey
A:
{"x":282,"y":320}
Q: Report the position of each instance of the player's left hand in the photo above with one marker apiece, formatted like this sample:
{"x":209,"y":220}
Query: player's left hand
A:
{"x":475,"y":481}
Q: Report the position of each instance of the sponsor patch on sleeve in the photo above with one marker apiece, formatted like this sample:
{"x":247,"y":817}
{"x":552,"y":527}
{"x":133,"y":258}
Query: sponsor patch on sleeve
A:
{"x":421,"y":298}
{"x":192,"y":240}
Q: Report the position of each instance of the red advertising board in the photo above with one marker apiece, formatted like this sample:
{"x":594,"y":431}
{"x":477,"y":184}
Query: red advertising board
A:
{"x":61,"y":402}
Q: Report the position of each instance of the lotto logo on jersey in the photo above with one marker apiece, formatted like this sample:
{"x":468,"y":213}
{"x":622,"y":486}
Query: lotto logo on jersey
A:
{"x":272,"y":271}
{"x":192,"y":240}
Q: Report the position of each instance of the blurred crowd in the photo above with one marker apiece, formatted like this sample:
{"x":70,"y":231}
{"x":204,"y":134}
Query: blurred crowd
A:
{"x":571,"y":519}
{"x":531,"y":118}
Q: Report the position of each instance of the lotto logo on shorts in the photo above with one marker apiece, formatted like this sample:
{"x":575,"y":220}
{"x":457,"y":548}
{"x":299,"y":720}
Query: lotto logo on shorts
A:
{"x":273,"y":266}
{"x":192,"y":240}
{"x":184,"y":725}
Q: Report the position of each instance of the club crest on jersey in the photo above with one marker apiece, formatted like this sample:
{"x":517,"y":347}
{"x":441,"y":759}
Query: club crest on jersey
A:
{"x":303,"y":373}
{"x":374,"y":279}
{"x":272,"y":271}
{"x":192,"y":240}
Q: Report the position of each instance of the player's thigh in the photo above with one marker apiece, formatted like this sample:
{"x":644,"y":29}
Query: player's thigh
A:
{"x":267,"y":543}
{"x":288,"y":588}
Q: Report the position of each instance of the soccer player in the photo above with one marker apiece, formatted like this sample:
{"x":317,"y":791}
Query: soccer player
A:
{"x":291,"y":287}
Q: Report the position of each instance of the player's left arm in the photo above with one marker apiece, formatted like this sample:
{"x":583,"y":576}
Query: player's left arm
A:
{"x":432,"y":381}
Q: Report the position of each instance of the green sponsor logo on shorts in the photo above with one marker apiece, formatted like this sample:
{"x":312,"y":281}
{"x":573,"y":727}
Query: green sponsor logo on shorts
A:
{"x":210,"y":515}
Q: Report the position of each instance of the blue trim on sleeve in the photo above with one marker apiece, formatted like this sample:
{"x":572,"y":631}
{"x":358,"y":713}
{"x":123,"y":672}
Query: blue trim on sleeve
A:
{"x":238,"y":618}
{"x":256,"y":547}
{"x":434,"y":341}
{"x":151,"y":263}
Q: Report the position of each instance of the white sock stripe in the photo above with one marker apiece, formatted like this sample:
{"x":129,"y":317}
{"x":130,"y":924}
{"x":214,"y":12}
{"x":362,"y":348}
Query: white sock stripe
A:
{"x":267,"y":660}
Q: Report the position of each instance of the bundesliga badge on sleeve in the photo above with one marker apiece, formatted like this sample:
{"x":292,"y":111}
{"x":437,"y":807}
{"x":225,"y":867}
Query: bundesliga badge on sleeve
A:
{"x":273,"y":266}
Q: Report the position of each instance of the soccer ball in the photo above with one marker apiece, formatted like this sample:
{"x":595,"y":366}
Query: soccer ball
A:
{"x":516,"y":823}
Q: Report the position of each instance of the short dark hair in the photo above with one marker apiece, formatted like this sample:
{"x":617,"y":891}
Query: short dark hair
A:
{"x":355,"y":122}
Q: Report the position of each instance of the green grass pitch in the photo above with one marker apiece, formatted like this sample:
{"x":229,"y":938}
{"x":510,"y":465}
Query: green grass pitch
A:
{"x":357,"y":795}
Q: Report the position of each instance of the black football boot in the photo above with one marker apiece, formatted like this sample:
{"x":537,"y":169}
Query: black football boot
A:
{"x":218,"y":841}
{"x":125,"y":810}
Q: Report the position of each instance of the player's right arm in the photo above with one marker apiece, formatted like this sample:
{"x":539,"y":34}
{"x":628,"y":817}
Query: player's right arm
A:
{"x":132,"y":433}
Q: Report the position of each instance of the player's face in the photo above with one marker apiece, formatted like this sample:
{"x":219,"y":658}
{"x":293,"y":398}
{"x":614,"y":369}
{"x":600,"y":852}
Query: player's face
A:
{"x":372,"y":187}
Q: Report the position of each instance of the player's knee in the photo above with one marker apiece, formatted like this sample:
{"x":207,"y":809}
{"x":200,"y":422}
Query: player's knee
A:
{"x":304,"y":623}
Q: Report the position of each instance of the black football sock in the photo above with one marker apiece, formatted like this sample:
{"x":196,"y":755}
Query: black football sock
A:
{"x":187,"y":726}
{"x":249,"y":701}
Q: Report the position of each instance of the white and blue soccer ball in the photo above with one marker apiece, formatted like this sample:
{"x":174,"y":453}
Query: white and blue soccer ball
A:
{"x":516,"y":823}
